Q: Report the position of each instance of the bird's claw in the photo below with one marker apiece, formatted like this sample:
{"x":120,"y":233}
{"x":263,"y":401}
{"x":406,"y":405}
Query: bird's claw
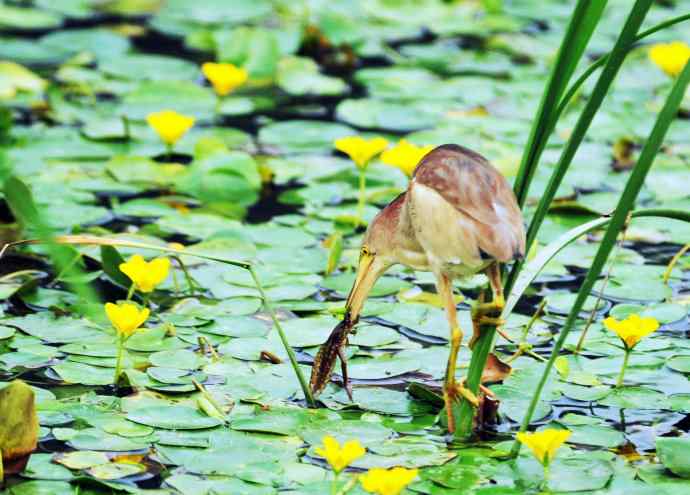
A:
{"x":452,"y":393}
{"x":486,"y":314}
{"x":466,"y":393}
{"x":491,"y":309}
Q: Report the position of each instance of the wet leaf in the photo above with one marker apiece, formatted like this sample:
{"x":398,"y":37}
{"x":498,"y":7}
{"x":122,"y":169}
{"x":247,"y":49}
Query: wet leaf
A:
{"x":172,"y":418}
{"x":674,"y":454}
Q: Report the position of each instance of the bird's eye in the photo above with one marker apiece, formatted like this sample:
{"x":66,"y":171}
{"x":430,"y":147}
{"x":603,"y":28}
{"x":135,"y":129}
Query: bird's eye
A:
{"x":364,"y":251}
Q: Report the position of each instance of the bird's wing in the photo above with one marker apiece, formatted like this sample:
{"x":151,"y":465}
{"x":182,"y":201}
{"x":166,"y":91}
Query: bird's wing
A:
{"x":477,"y":190}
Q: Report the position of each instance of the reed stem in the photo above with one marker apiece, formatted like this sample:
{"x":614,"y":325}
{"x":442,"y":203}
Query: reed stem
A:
{"x":283,"y":338}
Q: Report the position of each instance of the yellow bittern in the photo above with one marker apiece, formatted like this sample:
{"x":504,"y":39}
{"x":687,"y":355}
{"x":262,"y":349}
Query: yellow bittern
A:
{"x":457,"y":217}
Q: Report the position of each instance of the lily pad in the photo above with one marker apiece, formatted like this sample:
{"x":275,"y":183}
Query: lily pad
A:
{"x":172,"y":418}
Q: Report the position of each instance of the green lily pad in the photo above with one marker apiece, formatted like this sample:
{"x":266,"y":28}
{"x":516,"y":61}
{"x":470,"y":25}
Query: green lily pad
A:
{"x":636,"y":398}
{"x":27,"y":18}
{"x":301,"y":136}
{"x":42,"y":467}
{"x":172,"y":418}
{"x":674,"y":454}
{"x":115,"y":470}
{"x":81,"y":459}
{"x":182,"y":359}
{"x":381,"y":114}
{"x":43,"y":487}
{"x":679,"y":363}
{"x":6,"y":332}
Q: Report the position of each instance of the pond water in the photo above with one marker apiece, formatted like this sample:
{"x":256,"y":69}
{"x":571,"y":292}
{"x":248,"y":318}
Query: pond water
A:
{"x":256,"y":179}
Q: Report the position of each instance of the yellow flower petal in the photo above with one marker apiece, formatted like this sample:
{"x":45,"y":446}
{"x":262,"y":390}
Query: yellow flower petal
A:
{"x":126,"y":317}
{"x":632,"y":329}
{"x":361,"y":150}
{"x":225,"y":78}
{"x":670,"y":57}
{"x":405,"y":156}
{"x":146,"y":275}
{"x":340,"y":457}
{"x":545,"y":443}
{"x":169,"y":125}
{"x":387,"y":481}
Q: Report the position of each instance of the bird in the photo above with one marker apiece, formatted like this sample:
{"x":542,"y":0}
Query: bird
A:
{"x":457,"y":217}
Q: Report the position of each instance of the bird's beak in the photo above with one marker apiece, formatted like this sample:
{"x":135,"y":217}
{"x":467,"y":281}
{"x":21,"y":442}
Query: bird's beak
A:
{"x":368,"y":272}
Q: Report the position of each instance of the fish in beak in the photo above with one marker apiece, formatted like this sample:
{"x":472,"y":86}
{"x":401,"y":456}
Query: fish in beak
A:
{"x":368,"y":272}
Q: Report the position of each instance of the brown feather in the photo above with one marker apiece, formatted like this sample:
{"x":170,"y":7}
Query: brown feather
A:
{"x":476,"y":189}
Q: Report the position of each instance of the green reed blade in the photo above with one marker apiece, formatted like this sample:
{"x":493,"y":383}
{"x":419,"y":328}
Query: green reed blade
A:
{"x":572,"y":90}
{"x":20,"y":200}
{"x":615,"y":59}
{"x":583,"y":20}
{"x":618,"y":220}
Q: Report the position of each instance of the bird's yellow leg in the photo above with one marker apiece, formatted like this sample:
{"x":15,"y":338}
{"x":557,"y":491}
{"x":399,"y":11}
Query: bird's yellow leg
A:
{"x":489,"y":313}
{"x":451,"y":389}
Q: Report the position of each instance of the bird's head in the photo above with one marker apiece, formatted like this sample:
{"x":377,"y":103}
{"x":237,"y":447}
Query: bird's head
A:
{"x":376,"y":255}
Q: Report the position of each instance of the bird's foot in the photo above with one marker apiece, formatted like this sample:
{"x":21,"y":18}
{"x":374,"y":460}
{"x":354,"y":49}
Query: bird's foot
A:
{"x":453,"y":394}
{"x":466,"y":393}
{"x":492,"y":309}
{"x":486,"y":314}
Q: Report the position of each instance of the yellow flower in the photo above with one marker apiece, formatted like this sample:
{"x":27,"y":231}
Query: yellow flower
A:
{"x":632,"y":329}
{"x":670,"y":57}
{"x":545,"y":443}
{"x":126,"y":317}
{"x":387,"y":481}
{"x":405,"y":156}
{"x":339,"y":458}
{"x":225,"y":78}
{"x":170,"y":125}
{"x":361,"y":150}
{"x":146,"y":275}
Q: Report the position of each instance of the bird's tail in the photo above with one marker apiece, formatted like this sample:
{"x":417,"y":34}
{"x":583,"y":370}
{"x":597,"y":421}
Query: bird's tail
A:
{"x":325,"y":359}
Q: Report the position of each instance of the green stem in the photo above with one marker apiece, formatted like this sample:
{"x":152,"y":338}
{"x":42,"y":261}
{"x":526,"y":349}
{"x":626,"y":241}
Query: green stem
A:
{"x":362,"y":195}
{"x":125,"y":124}
{"x":130,"y":292}
{"x":348,"y":486}
{"x":621,"y":375}
{"x":673,"y":262}
{"x":176,"y":283}
{"x":547,"y":474}
{"x":67,"y":268}
{"x":283,"y":338}
{"x":480,"y":353}
{"x":334,"y":483}
{"x":187,"y":276}
{"x":533,"y":320}
{"x":118,"y":363}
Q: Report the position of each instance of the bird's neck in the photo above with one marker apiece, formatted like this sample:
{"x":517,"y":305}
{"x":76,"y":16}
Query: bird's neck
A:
{"x":408,"y":251}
